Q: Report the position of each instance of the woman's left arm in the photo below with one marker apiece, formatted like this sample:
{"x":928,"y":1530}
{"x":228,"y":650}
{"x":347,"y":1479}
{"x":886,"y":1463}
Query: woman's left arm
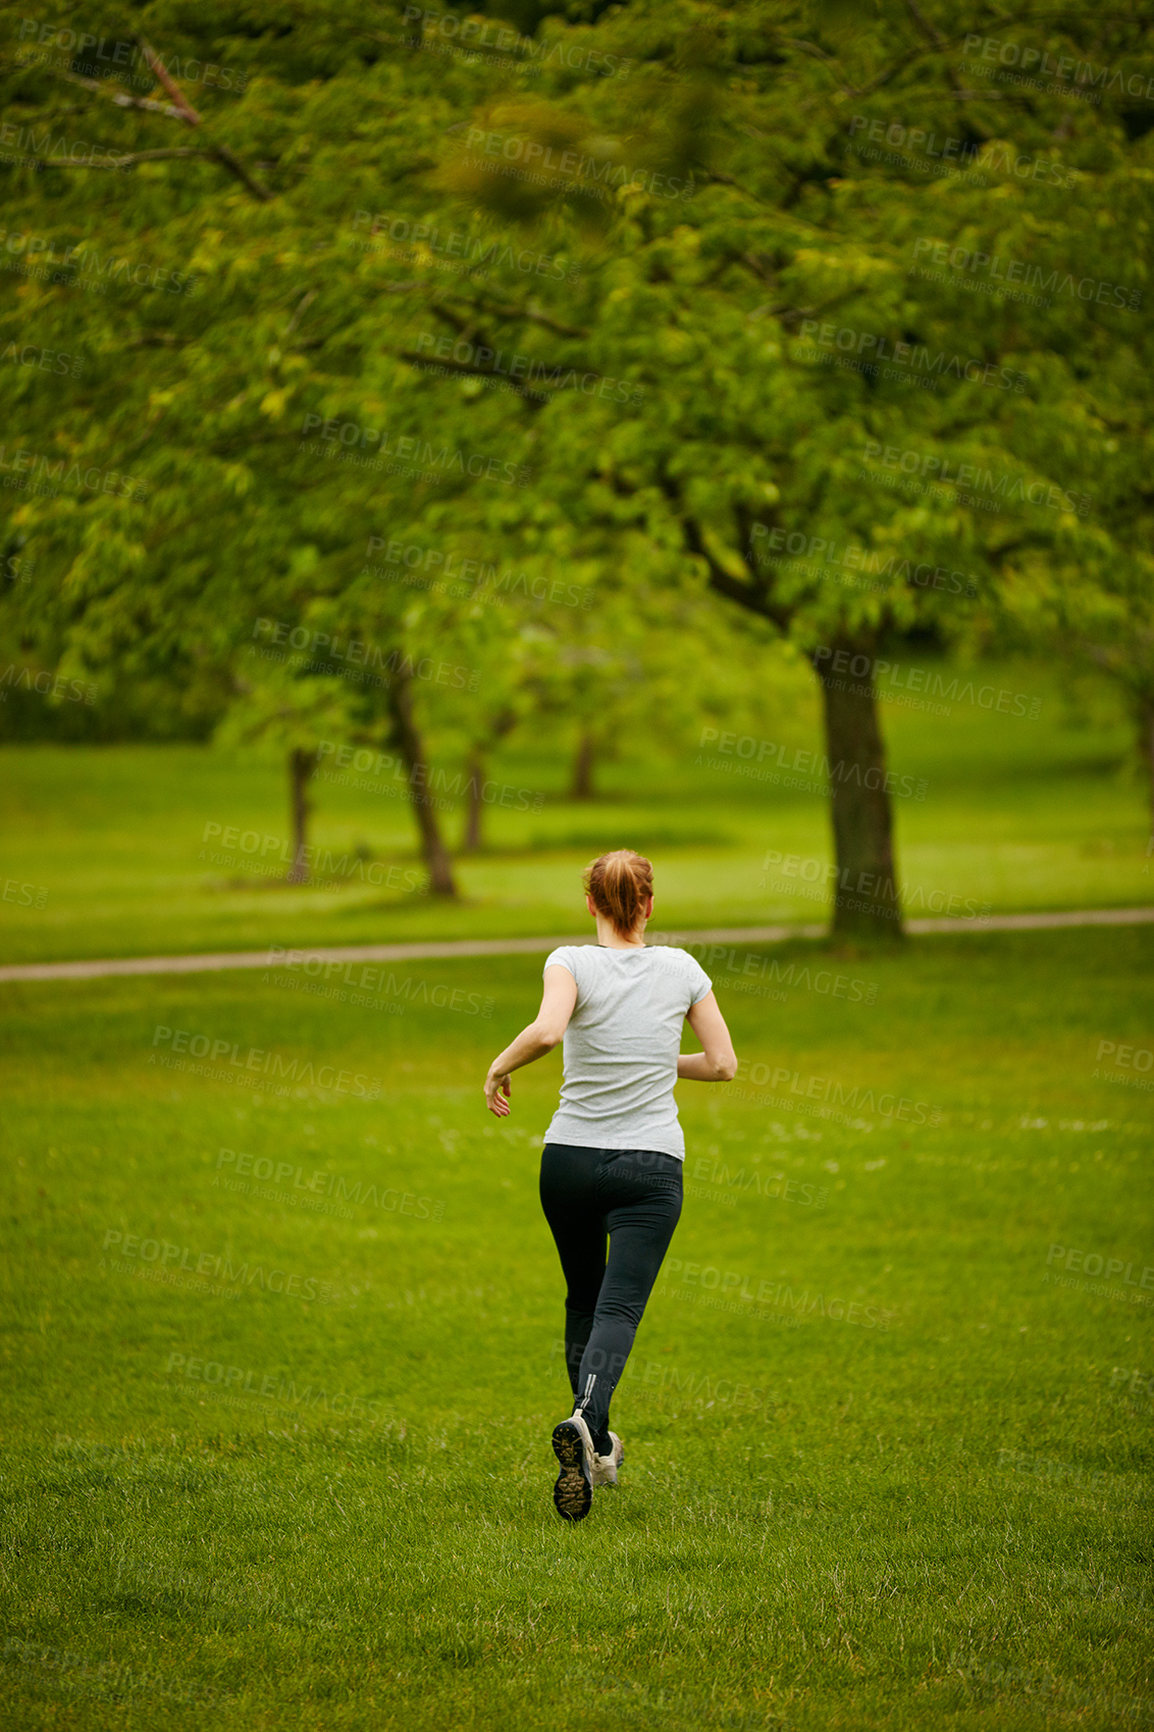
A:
{"x":542,"y":1035}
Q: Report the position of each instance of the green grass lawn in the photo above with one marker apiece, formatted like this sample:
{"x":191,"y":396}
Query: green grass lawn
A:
{"x":113,"y":851}
{"x":883,"y":1469}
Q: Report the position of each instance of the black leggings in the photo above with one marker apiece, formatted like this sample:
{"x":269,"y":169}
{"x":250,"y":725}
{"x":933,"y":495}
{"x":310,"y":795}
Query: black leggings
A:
{"x":634,"y":1196}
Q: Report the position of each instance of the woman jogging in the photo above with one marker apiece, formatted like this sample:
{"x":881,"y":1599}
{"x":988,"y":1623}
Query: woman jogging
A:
{"x":613,"y":1155}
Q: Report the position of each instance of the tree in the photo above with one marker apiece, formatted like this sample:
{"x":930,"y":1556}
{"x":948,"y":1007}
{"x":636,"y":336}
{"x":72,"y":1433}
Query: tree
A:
{"x":670,"y":280}
{"x":1105,"y":625}
{"x":278,"y":704}
{"x":363,"y":633}
{"x":762,"y":253}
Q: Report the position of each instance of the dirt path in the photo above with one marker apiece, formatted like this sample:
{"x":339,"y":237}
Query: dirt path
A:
{"x":423,"y":950}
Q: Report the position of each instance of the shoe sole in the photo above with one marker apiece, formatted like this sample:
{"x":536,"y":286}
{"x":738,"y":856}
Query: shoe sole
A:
{"x":573,"y":1493}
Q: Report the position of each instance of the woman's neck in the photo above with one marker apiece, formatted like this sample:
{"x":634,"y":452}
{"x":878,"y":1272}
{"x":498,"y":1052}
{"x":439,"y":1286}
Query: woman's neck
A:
{"x":609,"y":938}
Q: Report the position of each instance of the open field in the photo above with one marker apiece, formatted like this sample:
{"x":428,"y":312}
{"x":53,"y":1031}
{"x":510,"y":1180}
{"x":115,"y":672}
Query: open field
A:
{"x":118,"y":850}
{"x":720,"y":432}
{"x":888,"y":1451}
{"x":282,"y":1317}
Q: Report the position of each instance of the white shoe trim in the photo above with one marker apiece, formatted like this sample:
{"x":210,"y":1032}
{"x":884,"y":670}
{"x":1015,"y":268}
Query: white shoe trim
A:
{"x":582,"y":1425}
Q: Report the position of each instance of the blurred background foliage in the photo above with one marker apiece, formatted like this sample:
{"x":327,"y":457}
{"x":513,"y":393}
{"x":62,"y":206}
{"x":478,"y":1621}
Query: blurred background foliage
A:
{"x":585,"y":301}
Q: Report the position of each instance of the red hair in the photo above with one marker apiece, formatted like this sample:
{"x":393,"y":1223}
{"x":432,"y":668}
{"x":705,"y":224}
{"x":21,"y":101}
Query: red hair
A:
{"x":620,"y":884}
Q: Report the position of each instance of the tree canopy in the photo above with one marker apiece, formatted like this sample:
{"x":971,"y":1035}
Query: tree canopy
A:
{"x":831,"y":314}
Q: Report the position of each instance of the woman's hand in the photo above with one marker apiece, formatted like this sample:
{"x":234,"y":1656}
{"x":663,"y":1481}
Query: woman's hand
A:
{"x":497,"y":1093}
{"x":546,"y":1031}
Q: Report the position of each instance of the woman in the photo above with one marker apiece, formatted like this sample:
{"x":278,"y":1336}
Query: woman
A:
{"x":613,"y":1155}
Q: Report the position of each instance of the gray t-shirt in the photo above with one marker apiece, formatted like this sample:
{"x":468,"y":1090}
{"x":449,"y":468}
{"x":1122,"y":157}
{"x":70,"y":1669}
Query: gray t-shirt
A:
{"x":622,"y":1044}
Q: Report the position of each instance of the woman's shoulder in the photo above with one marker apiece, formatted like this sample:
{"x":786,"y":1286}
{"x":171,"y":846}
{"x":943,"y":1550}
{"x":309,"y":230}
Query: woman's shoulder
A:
{"x":566,"y":955}
{"x":676,"y":956}
{"x":685,"y":968}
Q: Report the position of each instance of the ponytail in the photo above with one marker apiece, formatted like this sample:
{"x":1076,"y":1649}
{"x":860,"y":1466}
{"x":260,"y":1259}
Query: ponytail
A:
{"x":620,"y":885}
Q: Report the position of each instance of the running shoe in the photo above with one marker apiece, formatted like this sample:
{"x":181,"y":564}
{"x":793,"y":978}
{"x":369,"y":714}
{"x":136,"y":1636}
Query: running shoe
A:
{"x":604,"y":1469}
{"x":573,"y":1447}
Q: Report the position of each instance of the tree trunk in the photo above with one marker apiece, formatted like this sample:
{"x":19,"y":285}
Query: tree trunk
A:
{"x":866,"y":902}
{"x":1146,"y":748}
{"x":471,"y":839}
{"x":412,"y":750}
{"x":582,"y":784}
{"x":301,"y":765}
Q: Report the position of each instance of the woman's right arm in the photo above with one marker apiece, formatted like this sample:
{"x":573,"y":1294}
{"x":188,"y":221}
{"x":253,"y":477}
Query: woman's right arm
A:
{"x":718,"y":1061}
{"x":547,"y":1030}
